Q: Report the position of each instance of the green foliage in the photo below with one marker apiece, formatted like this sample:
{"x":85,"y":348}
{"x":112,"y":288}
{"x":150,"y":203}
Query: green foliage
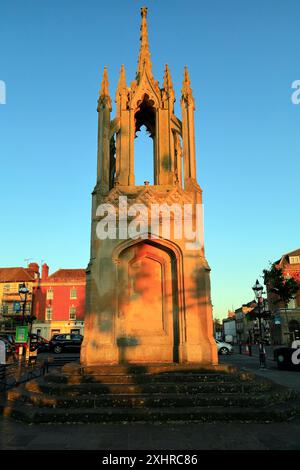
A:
{"x":284,"y":288}
{"x":218,"y":325}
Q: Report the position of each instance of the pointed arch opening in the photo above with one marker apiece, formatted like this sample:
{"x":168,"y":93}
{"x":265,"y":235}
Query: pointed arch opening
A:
{"x":145,"y":134}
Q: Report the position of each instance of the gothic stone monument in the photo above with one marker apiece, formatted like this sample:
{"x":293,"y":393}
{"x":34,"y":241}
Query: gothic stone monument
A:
{"x":148,"y":296}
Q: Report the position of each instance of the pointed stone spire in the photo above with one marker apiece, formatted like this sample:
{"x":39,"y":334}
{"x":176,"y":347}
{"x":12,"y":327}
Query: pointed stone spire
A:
{"x":167,"y":90}
{"x":104,"y":84}
{"x":122,"y":81}
{"x":167,"y":85}
{"x":104,"y":98}
{"x":144,"y":55}
{"x":187,"y":93}
{"x":122,"y":91}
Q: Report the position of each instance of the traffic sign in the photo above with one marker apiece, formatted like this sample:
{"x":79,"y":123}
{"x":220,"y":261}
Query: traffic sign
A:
{"x":21,"y":334}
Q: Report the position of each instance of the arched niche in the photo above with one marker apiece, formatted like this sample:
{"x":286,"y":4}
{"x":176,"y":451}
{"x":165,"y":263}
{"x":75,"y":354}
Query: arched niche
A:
{"x":149,"y":312}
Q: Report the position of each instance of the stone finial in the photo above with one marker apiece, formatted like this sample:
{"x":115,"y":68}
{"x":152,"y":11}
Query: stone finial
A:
{"x":167,"y":85}
{"x":122,"y":81}
{"x":186,"y":91}
{"x":144,"y":11}
{"x":167,"y":90}
{"x":144,"y":55}
{"x":104,"y":84}
{"x":104,"y":98}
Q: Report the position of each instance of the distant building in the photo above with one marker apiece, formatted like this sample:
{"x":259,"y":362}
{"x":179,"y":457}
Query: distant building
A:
{"x":229,"y":329}
{"x":11,"y":305}
{"x":247,"y":324}
{"x":286,"y":321}
{"x":59,"y":302}
{"x":243,"y":324}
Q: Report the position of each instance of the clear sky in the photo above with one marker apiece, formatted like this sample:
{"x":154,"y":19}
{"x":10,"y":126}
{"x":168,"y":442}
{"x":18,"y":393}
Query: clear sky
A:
{"x":243,"y":57}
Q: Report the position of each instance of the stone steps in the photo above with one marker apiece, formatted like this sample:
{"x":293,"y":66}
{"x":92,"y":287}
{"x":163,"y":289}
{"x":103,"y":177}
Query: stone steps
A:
{"x":118,"y":378}
{"x":280,"y":412}
{"x":158,"y":399}
{"x":146,"y":387}
{"x":156,"y":394}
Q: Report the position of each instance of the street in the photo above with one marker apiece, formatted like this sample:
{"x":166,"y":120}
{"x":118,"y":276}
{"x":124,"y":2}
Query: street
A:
{"x":227,"y":436}
{"x":242,"y":361}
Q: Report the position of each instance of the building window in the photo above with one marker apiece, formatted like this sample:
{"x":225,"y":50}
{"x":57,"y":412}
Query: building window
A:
{"x":6,"y":288}
{"x":50,"y":293}
{"x":292,"y":304}
{"x":4,"y":309}
{"x":72,"y":313}
{"x":75,"y":331}
{"x":49,"y":313}
{"x":54,"y":332}
{"x":294,"y":259}
{"x":73,"y":293}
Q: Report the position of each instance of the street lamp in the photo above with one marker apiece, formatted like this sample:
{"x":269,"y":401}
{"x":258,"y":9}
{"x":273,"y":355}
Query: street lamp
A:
{"x":23,"y":291}
{"x":258,"y":291}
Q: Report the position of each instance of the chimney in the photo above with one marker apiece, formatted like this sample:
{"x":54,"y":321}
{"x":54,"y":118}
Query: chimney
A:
{"x":35,"y":268}
{"x":45,"y":271}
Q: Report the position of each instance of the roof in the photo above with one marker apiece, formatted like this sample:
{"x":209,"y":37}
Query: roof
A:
{"x":68,"y":275}
{"x":294,"y":253}
{"x":16,"y":275}
{"x":286,"y":256}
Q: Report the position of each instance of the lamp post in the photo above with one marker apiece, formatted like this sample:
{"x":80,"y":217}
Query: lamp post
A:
{"x":258,"y":291}
{"x":23,"y":291}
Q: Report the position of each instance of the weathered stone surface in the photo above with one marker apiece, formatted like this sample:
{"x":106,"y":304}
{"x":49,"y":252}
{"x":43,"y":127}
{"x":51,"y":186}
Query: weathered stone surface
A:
{"x":147,"y":300}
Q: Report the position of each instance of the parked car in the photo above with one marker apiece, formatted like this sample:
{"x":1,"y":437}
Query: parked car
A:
{"x":38,"y":343}
{"x":65,"y":343}
{"x":8,"y":336}
{"x":9,"y":347}
{"x":287,"y":358}
{"x":224,"y":348}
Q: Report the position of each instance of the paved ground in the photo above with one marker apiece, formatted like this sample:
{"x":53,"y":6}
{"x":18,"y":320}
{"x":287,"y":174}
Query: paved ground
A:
{"x":283,"y":377}
{"x":147,"y":436}
{"x":227,"y":436}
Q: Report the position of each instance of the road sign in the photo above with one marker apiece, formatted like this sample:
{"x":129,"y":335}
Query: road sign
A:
{"x":17,"y":307}
{"x":21,"y":334}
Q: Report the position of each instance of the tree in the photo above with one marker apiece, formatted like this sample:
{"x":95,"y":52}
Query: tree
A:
{"x":218,"y":328}
{"x":284,"y":288}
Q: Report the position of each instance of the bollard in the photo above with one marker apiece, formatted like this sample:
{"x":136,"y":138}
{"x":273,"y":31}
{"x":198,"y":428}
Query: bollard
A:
{"x":2,"y":377}
{"x":262,"y":356}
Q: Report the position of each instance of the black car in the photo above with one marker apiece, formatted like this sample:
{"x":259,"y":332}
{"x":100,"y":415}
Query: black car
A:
{"x":8,"y":337}
{"x":65,"y":343}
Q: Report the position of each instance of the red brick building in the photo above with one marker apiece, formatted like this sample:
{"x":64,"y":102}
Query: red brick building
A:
{"x":59,"y":302}
{"x":286,"y":326}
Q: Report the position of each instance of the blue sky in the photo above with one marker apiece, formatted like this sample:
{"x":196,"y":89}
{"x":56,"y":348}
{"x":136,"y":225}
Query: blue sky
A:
{"x":242,"y":56}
